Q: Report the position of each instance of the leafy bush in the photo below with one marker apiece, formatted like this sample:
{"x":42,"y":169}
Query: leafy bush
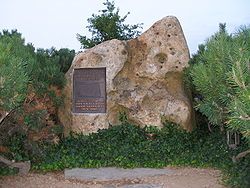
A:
{"x":4,"y":170}
{"x":108,"y":25}
{"x":65,"y":58}
{"x":128,"y":145}
{"x":221,"y":76}
{"x":35,"y":121}
{"x":30,"y":84}
{"x":16,"y":146}
{"x":13,"y":77}
{"x":239,"y":174}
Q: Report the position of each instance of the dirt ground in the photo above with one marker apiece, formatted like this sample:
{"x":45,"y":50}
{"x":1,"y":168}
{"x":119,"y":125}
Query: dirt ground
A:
{"x":181,"y":178}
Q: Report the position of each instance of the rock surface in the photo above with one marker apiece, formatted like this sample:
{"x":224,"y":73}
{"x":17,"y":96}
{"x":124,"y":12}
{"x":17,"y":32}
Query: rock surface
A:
{"x":107,"y":174}
{"x":144,"y":78}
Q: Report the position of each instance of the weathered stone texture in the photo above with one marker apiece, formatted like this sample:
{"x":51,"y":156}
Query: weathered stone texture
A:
{"x":144,"y":79}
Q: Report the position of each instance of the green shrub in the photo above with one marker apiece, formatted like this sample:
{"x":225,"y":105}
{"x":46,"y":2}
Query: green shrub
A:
{"x":239,"y":174}
{"x":4,"y":170}
{"x":30,"y":84}
{"x":35,"y":121}
{"x":128,"y":145}
{"x":221,"y":76}
{"x":107,"y":25}
{"x":13,"y":76}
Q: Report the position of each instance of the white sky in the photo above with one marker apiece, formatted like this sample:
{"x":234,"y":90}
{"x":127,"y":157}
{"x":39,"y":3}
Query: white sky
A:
{"x":47,"y":23}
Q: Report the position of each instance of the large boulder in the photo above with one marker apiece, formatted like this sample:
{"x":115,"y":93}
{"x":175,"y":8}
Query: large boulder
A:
{"x":144,"y":78}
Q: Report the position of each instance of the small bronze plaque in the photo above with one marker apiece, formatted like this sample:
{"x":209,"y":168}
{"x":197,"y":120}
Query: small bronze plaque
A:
{"x":89,"y":90}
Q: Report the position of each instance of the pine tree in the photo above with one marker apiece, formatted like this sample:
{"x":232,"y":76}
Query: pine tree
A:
{"x":30,"y":84}
{"x":221,"y":75}
{"x":13,"y":76}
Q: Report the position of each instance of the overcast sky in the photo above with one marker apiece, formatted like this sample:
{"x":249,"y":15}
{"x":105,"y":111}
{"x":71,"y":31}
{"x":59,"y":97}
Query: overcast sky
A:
{"x":47,"y":23}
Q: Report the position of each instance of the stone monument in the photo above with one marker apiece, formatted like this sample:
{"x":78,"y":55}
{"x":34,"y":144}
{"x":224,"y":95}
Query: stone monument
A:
{"x":142,"y":77}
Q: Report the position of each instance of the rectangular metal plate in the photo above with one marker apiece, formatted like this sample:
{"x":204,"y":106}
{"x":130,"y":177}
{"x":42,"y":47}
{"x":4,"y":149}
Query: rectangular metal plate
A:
{"x":89,"y":90}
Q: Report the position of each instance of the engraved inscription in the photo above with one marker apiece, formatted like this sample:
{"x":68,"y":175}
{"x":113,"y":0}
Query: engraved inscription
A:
{"x":89,"y":90}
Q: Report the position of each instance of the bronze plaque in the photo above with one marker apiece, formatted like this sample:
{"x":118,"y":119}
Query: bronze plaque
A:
{"x":89,"y":90}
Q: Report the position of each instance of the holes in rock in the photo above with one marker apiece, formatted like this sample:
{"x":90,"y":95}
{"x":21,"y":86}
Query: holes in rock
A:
{"x":169,"y":25}
{"x":172,"y":51}
{"x":157,"y":33}
{"x":176,"y":67}
{"x":159,"y":43}
{"x":138,"y":64}
{"x":124,"y":52}
{"x":169,"y":35}
{"x":126,"y":93}
{"x":161,"y":58}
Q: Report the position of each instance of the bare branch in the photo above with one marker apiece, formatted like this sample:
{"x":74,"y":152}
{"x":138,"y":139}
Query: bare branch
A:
{"x":3,"y":116}
{"x":240,"y":155}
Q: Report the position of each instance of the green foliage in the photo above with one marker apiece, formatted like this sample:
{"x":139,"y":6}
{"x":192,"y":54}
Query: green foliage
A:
{"x":66,"y":57}
{"x":36,"y":120}
{"x":30,"y":83}
{"x":20,"y":66}
{"x":4,"y":170}
{"x":129,"y":146}
{"x":13,"y":77}
{"x":108,"y":25}
{"x":15,"y":44}
{"x":46,"y":71}
{"x":220,"y":73}
{"x":123,"y":118}
{"x":16,"y":146}
{"x":239,"y":174}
